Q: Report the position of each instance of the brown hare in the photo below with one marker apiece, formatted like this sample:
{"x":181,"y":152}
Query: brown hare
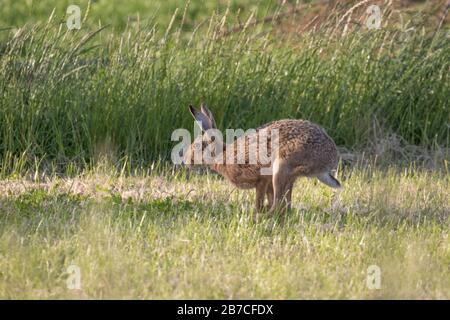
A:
{"x":304,"y":149}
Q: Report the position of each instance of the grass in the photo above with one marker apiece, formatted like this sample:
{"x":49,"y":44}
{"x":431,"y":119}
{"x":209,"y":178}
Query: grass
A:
{"x":120,"y":14}
{"x":162,"y":236}
{"x":85,"y":124}
{"x":69,"y":96}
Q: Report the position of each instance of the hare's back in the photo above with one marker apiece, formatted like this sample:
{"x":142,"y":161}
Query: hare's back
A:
{"x":305,"y":146}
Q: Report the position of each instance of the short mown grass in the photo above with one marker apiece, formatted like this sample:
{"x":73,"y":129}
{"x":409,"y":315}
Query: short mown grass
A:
{"x":162,"y":236}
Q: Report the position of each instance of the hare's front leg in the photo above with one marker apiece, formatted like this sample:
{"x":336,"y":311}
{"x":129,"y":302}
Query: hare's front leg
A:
{"x":269,"y":194}
{"x":261,"y":188}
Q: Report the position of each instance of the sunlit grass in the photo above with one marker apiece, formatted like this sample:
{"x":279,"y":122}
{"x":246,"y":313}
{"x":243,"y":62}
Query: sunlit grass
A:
{"x":85,"y":134}
{"x":162,"y":236}
{"x":70,"y":96}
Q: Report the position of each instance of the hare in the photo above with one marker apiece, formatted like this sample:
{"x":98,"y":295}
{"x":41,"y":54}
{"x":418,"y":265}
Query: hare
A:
{"x":304,"y":150}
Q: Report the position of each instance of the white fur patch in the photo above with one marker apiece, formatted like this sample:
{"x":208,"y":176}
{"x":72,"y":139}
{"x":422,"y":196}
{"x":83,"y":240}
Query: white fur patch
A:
{"x":329,"y":180}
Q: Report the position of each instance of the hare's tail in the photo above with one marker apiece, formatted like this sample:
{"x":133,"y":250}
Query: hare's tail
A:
{"x":329,"y":180}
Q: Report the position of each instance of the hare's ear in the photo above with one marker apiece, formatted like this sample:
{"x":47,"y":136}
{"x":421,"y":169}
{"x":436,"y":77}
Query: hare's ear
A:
{"x":203,"y":119}
{"x":208,"y":113}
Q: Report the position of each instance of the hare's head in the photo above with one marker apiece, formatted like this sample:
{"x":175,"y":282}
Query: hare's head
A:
{"x":195,"y":153}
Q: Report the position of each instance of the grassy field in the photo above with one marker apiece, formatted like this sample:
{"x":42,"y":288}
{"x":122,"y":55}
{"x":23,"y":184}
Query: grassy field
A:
{"x":86,"y":118}
{"x":162,"y":236}
{"x":119,"y":13}
{"x":70,"y":96}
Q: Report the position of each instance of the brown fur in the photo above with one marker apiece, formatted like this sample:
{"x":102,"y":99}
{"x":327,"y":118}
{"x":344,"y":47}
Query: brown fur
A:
{"x":304,"y":150}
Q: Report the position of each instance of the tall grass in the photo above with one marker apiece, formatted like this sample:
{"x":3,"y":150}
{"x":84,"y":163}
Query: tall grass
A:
{"x":119,"y":14}
{"x":72,"y":96}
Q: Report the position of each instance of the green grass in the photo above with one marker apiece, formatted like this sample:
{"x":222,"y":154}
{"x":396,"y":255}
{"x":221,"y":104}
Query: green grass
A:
{"x":120,"y":13}
{"x":162,"y":236}
{"x":69,"y":96}
{"x":85,"y":124}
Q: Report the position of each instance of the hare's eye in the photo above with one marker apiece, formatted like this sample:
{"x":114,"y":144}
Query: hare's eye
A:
{"x":197,"y":146}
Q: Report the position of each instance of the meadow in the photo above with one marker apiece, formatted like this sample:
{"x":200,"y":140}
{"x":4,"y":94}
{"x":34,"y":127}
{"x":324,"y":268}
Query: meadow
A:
{"x":86,"y":118}
{"x":163,"y":236}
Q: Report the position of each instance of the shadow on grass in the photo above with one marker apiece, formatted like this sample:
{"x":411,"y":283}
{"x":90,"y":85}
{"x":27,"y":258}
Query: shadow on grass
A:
{"x":59,"y":214}
{"x":41,"y":212}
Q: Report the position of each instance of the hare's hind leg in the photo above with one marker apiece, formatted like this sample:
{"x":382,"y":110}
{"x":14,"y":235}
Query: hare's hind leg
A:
{"x":288,"y":195}
{"x":282,"y":186}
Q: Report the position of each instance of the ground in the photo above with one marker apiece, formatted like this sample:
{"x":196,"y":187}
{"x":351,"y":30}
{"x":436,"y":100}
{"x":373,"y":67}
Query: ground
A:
{"x":165,"y":236}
